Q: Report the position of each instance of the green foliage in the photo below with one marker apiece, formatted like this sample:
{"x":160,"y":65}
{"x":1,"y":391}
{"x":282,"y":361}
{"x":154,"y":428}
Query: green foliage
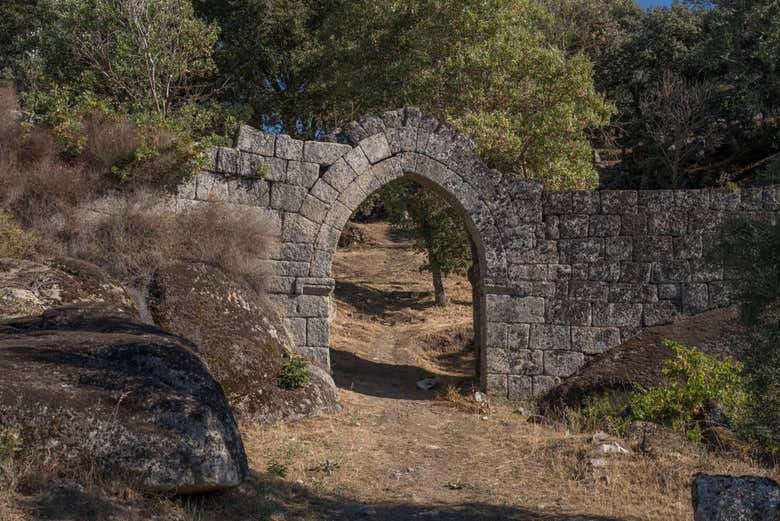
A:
{"x":485,"y":67}
{"x":295,"y":372}
{"x":153,"y":55}
{"x":136,"y":78}
{"x":692,"y":380}
{"x":606,"y":412}
{"x":750,"y":248}
{"x":437,"y":228}
{"x":743,"y":49}
{"x":278,"y":469}
{"x":268,"y":58}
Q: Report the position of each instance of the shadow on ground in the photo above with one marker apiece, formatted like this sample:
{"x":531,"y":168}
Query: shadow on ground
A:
{"x":273,"y":498}
{"x":378,"y":379}
{"x":379,"y":303}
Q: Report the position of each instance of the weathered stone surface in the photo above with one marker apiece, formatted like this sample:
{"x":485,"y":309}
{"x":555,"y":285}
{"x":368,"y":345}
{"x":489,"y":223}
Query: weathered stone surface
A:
{"x":287,"y":197}
{"x":604,"y":226}
{"x":603,"y":264}
{"x":31,"y":287}
{"x":617,"y":315}
{"x":376,"y":148}
{"x":594,"y":340}
{"x":526,"y":362}
{"x":97,"y":391}
{"x":562,"y":363}
{"x":662,"y":312}
{"x":546,"y":337}
{"x":732,"y":498}
{"x":289,"y":148}
{"x":243,"y":340}
{"x":324,"y":153}
{"x":302,"y":174}
{"x":250,"y":140}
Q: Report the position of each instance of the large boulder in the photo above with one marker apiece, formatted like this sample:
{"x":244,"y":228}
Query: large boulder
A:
{"x":29,"y":287}
{"x":90,"y":388}
{"x":641,"y":360}
{"x":243,"y":340}
{"x":730,"y":498}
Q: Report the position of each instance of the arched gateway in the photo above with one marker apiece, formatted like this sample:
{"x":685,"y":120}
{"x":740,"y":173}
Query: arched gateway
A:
{"x":562,"y":275}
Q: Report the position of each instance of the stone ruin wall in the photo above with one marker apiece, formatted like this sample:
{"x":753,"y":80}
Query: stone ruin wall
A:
{"x":562,"y":275}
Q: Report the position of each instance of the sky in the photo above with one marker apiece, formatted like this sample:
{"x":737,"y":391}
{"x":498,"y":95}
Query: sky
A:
{"x":653,"y":3}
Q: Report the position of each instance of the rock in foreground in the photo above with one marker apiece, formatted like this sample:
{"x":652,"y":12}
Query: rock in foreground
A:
{"x":242,"y":339}
{"x":729,"y":498}
{"x":91,"y":388}
{"x":31,"y":287}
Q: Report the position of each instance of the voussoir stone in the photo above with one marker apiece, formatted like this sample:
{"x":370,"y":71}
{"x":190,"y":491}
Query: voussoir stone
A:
{"x":323,"y":153}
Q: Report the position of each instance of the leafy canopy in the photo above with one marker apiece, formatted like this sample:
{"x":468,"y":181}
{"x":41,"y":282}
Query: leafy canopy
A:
{"x":152,"y":55}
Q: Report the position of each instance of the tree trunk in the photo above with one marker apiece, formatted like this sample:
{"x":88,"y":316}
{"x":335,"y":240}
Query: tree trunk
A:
{"x":438,"y":286}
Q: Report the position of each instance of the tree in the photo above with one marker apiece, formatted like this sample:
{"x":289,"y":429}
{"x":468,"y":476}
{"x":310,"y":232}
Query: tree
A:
{"x":152,"y":55}
{"x":485,"y":67}
{"x":438,"y":230}
{"x":269,"y":59}
{"x":679,"y":130}
{"x":18,"y":24}
{"x":750,"y":249}
{"x":742,"y":48}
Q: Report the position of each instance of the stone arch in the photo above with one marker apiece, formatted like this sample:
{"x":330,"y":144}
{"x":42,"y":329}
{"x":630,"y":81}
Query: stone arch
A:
{"x":403,"y":144}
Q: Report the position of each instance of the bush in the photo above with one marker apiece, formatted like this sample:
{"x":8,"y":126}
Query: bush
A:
{"x":14,"y":241}
{"x":607,"y":412}
{"x":295,"y":372}
{"x":693,"y":380}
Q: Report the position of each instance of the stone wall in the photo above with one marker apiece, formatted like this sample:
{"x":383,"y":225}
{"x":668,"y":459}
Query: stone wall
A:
{"x":562,"y":275}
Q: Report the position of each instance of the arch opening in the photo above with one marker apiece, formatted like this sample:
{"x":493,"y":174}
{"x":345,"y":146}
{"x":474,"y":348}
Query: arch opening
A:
{"x":406,"y":310}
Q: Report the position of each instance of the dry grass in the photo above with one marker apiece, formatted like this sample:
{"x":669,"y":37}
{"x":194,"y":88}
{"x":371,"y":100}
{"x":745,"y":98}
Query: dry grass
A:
{"x":453,"y":396}
{"x":15,"y":241}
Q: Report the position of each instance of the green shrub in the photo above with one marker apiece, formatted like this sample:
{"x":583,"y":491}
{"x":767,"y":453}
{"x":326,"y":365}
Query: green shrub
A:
{"x":295,"y":372}
{"x":693,"y":380}
{"x":606,"y":412}
{"x":278,"y":469}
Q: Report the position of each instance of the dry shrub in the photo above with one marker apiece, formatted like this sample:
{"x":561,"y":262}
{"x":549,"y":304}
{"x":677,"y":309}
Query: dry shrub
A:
{"x":110,"y":141}
{"x":14,"y":241}
{"x":130,"y":242}
{"x":140,"y":234}
{"x":129,"y":229}
{"x":233,"y":238}
{"x":170,"y":163}
{"x":453,"y":396}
